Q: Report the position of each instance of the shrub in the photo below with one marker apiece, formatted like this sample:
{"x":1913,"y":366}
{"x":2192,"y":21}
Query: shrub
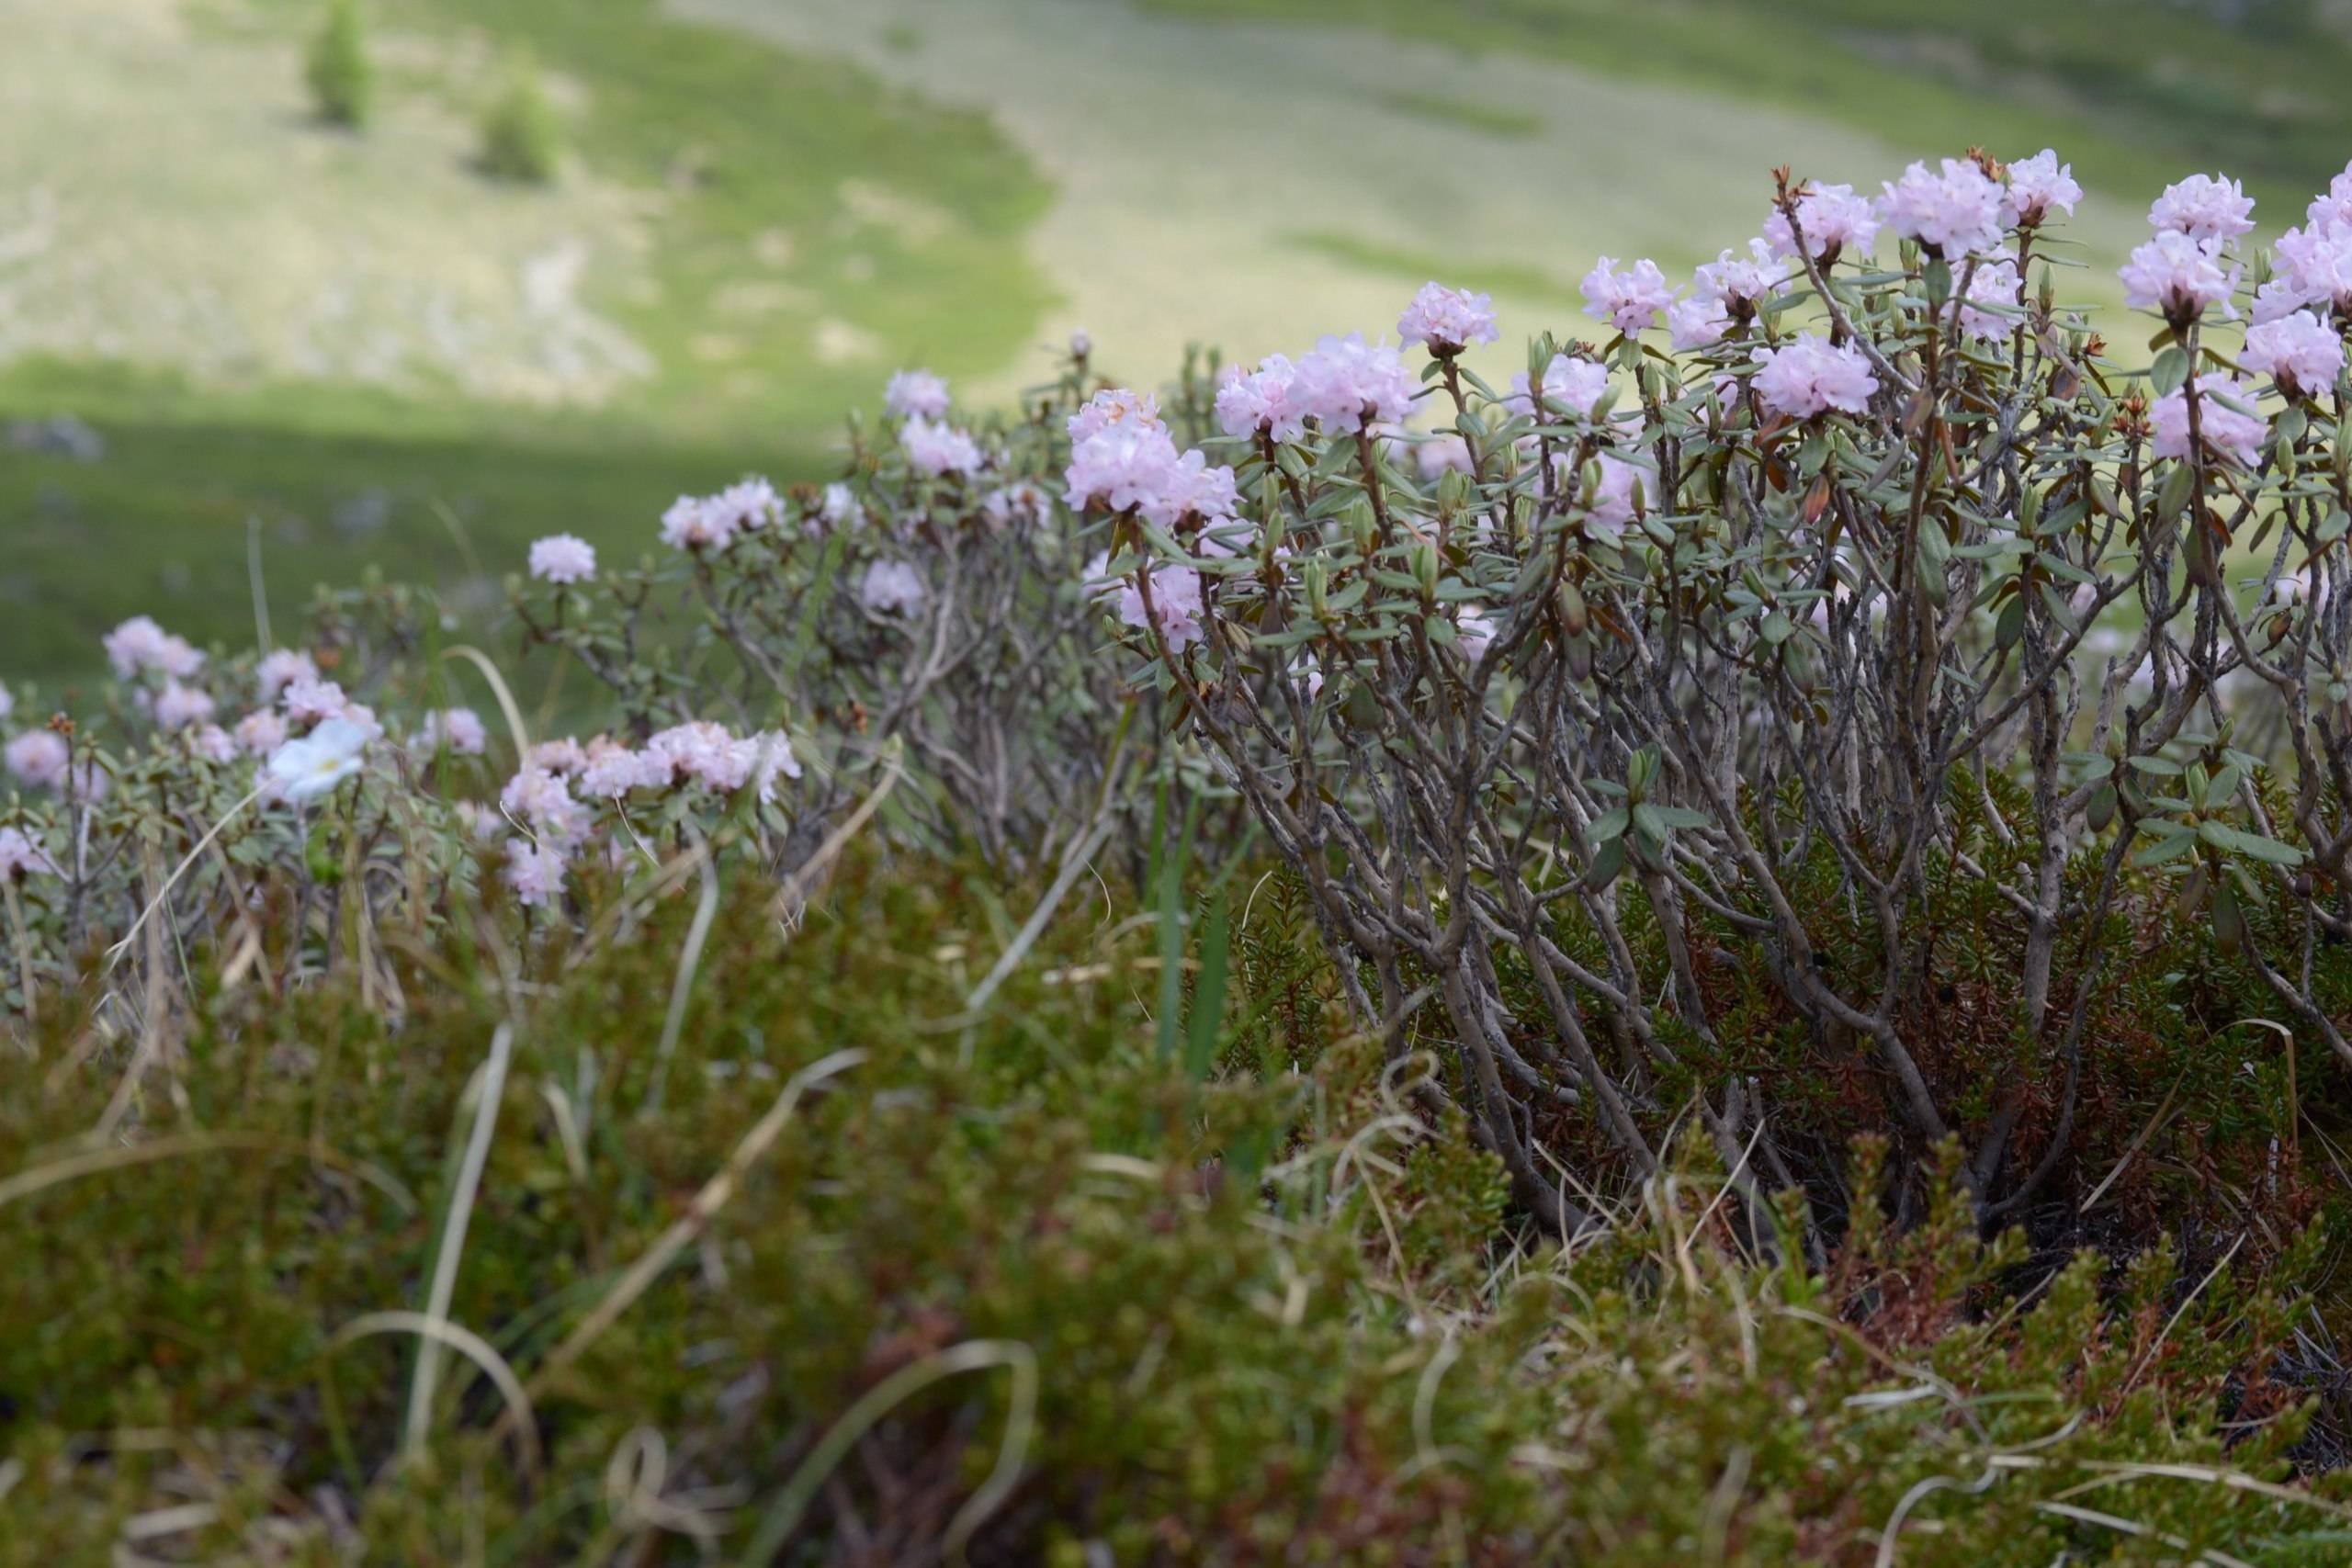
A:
{"x":342,"y":83}
{"x":522,"y":140}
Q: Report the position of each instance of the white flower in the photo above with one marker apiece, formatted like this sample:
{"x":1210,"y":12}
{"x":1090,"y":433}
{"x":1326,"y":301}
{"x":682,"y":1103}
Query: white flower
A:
{"x":306,"y":769}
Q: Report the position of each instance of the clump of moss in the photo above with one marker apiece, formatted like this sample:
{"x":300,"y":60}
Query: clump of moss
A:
{"x":1000,"y":1282}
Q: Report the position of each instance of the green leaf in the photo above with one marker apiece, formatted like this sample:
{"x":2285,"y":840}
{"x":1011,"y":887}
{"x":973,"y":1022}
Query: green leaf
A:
{"x":2170,"y":371}
{"x":2269,"y":851}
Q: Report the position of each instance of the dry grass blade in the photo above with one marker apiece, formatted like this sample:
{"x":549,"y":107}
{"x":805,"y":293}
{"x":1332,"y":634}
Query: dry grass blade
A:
{"x":689,"y":961}
{"x":25,"y":1183}
{"x":499,"y":689}
{"x":489,"y":1084}
{"x":475,"y":1349}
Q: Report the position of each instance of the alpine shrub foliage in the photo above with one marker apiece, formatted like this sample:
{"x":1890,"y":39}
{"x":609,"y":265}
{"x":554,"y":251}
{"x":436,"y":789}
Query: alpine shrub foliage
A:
{"x":1733,"y":951}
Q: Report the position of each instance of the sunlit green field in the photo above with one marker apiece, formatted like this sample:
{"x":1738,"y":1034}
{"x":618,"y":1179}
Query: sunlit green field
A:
{"x":767,"y":205}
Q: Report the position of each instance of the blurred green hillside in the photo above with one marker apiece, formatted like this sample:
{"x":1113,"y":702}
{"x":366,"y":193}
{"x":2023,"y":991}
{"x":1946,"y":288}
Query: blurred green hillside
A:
{"x":357,"y":350}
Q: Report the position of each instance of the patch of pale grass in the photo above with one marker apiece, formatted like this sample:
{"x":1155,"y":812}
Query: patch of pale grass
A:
{"x":169,"y":201}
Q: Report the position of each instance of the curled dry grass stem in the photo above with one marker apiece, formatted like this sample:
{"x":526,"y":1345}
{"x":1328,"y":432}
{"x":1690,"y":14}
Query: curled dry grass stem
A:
{"x":499,"y":689}
{"x":978,"y":1355}
{"x":475,"y":1349}
{"x":689,"y":961}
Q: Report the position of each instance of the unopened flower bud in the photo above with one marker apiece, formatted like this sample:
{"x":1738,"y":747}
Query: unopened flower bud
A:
{"x":1425,"y":564}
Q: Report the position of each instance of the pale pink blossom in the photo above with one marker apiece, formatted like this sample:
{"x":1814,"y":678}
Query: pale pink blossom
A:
{"x":562,"y":756}
{"x":2036,"y":185}
{"x":21,"y":856}
{"x":7,"y":703}
{"x":460,"y":729}
{"x":313,"y":701}
{"x":837,"y":505}
{"x":1836,"y":223}
{"x":177,"y":707}
{"x":2177,"y":277}
{"x":1021,"y":504}
{"x":1254,"y":402}
{"x":1192,"y":487}
{"x":138,"y":644}
{"x":693,"y":524}
{"x":938,"y":449}
{"x":534,"y":872}
{"x":891,"y":586}
{"x":213,"y":743}
{"x":1742,"y":284}
{"x":1569,"y":381}
{"x":1447,"y":320}
{"x":1952,"y":212}
{"x":2214,"y":210}
{"x":613,"y":769}
{"x":543,"y":803}
{"x":2334,"y":208}
{"x":1806,"y":376}
{"x":705,"y":753}
{"x":916,"y":394}
{"x":1175,"y":602}
{"x":38,"y":757}
{"x":2315,"y":266}
{"x":1444,"y":452}
{"x":772,"y":759}
{"x":1992,"y":281}
{"x":260,"y":732}
{"x":1119,"y":466}
{"x":1346,"y":385}
{"x":1628,"y":300}
{"x":281,"y":669}
{"x":481,"y":824}
{"x":746,"y":506}
{"x":2236,"y":433}
{"x":1696,"y":324}
{"x":1114,"y":405}
{"x":2300,"y":352}
{"x":562,"y":557}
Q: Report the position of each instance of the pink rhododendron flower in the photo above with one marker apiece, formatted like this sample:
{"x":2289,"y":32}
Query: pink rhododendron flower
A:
{"x":1992,"y":281}
{"x":2177,"y":277}
{"x":281,"y":669}
{"x":1022,"y":504}
{"x":1806,"y":376}
{"x":1627,"y":300}
{"x":1119,"y":466}
{"x":38,"y":757}
{"x":213,"y":744}
{"x":2036,"y":185}
{"x":562,"y":756}
{"x":260,"y":732}
{"x":693,"y":524}
{"x":838,"y":506}
{"x":1952,"y":212}
{"x":22,"y":856}
{"x":2205,"y":208}
{"x":543,"y":803}
{"x":313,"y":701}
{"x":138,"y":644}
{"x":2300,"y":352}
{"x":534,"y":872}
{"x":1835,"y":220}
{"x":1696,"y":324}
{"x":1742,"y":284}
{"x":1448,"y":319}
{"x":747,"y":506}
{"x":1192,"y":487}
{"x":177,"y":707}
{"x":1572,"y":382}
{"x":1347,"y":385}
{"x":2315,"y":266}
{"x":460,"y":729}
{"x":1175,"y":602}
{"x":2229,"y":432}
{"x":1114,"y":405}
{"x":562,"y":557}
{"x":891,"y":586}
{"x":1441,"y":453}
{"x":612,"y":769}
{"x":938,"y":449}
{"x":1254,"y":402}
{"x":915,"y":394}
